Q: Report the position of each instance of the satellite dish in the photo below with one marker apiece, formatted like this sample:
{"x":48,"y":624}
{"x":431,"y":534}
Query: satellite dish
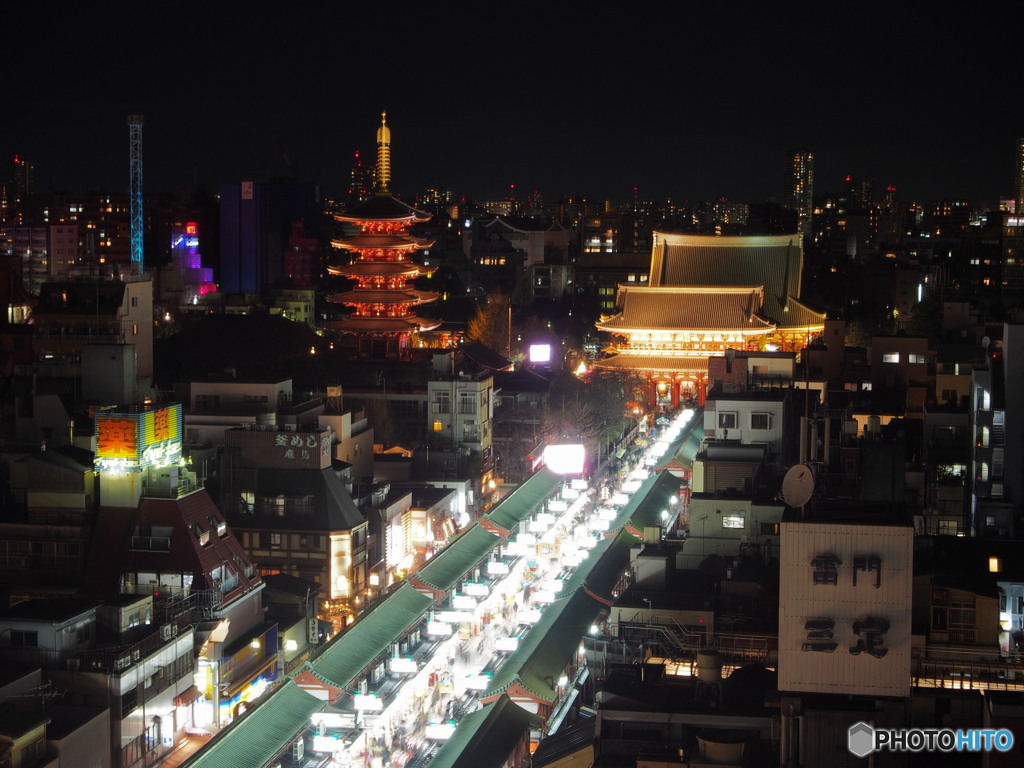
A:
{"x":798,"y":485}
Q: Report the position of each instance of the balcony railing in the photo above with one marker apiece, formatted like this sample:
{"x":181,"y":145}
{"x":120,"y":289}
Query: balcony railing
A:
{"x":183,"y":487}
{"x":111,"y":658}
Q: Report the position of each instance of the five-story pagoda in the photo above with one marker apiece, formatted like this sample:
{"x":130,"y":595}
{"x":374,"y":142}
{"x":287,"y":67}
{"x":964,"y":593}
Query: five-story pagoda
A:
{"x":382,"y":318}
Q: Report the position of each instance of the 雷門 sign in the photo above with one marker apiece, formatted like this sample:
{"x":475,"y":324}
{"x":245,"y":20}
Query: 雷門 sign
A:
{"x":844,"y":608}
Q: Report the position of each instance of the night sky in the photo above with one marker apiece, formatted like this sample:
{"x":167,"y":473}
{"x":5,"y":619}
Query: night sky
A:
{"x":692,"y":103}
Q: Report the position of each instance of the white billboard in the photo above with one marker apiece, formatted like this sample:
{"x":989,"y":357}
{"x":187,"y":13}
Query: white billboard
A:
{"x":844,"y":608}
{"x":565,"y":459}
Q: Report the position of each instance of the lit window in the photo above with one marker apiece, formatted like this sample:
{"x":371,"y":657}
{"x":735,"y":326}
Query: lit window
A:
{"x":734,"y":520}
{"x":891,"y":357}
{"x":438,"y":426}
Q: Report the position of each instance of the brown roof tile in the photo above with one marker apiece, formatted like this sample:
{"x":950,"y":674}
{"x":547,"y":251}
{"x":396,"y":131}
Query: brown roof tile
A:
{"x":689,"y":308}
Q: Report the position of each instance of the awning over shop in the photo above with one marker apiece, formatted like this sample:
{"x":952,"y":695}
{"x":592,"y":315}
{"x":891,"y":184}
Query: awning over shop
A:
{"x":186,"y":697}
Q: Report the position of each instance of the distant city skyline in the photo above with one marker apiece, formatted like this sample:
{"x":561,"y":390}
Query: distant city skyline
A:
{"x":693,"y":104}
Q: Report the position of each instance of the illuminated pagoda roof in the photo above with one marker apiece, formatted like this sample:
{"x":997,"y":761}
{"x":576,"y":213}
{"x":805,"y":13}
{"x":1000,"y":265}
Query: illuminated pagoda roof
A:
{"x":689,"y":308}
{"x":406,"y":323}
{"x":383,"y":296}
{"x":396,"y":242}
{"x":379,"y":268}
{"x":382,"y":207}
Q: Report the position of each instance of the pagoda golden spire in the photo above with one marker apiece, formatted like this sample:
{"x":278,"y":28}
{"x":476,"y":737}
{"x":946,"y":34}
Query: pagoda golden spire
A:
{"x":383,"y":154}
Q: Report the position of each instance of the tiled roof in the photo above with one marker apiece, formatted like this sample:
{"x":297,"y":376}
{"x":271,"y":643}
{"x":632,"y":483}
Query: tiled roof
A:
{"x":486,"y":736}
{"x":187,"y":553}
{"x":645,"y":505}
{"x":656,"y":363}
{"x":798,"y":315}
{"x":444,"y":570}
{"x":523,"y":379}
{"x":384,"y":324}
{"x":383,"y":268}
{"x":484,"y":356}
{"x":333,"y":508}
{"x":383,"y":296}
{"x":543,"y":654}
{"x":689,"y":308}
{"x":772,"y":261}
{"x":350,"y":652}
{"x":382,"y":208}
{"x":404,"y":242}
{"x":255,"y":738}
{"x":515,"y":507}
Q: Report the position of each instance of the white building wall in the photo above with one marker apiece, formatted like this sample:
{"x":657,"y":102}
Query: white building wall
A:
{"x":747,"y":419}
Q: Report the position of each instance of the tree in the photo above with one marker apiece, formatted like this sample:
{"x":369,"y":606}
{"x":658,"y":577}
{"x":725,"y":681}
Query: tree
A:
{"x":926,"y":317}
{"x":490,"y":324}
{"x":592,"y":411}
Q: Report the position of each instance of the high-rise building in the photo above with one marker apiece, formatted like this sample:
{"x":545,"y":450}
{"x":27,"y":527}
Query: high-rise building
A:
{"x":46,"y":251}
{"x":21,"y":184}
{"x":1019,"y":177}
{"x":256,"y":220}
{"x":382,"y":320}
{"x":360,"y":184}
{"x":185,"y":283}
{"x":800,"y":186}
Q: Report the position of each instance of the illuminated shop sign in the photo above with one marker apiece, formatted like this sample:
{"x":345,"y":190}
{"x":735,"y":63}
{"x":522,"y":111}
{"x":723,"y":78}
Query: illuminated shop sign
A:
{"x":129,"y":441}
{"x":303,"y":447}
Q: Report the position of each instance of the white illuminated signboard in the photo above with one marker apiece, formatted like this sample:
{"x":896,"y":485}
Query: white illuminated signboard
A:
{"x":403,"y":666}
{"x":439,"y":731}
{"x":368,"y":703}
{"x":565,"y":459}
{"x":540,"y":353}
{"x":497,"y":568}
{"x":506,"y":644}
{"x":438,"y":629}
{"x":845,"y":605}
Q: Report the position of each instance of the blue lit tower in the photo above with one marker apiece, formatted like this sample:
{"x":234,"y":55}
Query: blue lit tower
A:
{"x":135,"y":123}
